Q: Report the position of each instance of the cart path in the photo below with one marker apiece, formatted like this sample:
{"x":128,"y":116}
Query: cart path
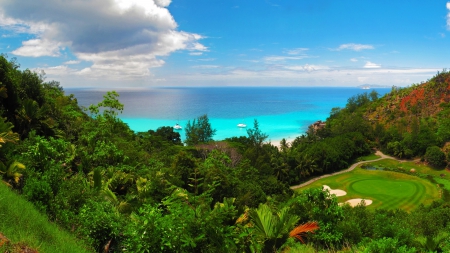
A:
{"x":352,"y":167}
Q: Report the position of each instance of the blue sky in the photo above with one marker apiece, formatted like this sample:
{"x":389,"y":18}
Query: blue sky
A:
{"x":144,"y":43}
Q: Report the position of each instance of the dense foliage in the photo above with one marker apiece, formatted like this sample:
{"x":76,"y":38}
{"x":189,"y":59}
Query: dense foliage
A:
{"x":122,"y":191}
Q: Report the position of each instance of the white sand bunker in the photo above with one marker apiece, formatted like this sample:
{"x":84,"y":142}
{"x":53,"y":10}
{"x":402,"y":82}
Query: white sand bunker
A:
{"x":336,"y":192}
{"x":355,"y":202}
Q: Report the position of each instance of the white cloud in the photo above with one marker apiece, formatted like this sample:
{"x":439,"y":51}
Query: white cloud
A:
{"x":448,"y":16}
{"x":71,"y":62}
{"x":353,"y":59}
{"x":206,"y":66}
{"x":163,"y":3}
{"x":297,"y":51}
{"x":121,"y":38}
{"x":284,"y":58}
{"x":207,"y":59}
{"x":38,"y":48}
{"x":195,"y":53}
{"x":354,"y":47}
{"x":299,"y":76}
{"x":307,"y":68}
{"x":371,"y":65}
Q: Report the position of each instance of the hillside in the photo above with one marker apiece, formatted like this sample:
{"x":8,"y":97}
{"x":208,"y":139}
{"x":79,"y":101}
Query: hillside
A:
{"x":413,"y":118}
{"x":27,"y":229}
{"x":423,"y":100}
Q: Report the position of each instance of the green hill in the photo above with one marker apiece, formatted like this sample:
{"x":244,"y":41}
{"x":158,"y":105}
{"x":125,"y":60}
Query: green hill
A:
{"x":24,"y":226}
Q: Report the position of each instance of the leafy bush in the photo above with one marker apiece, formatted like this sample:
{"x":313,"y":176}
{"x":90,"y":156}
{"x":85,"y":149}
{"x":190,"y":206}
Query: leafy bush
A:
{"x":100,"y":224}
{"x":39,"y":192}
{"x":435,"y":157}
{"x":388,"y":245}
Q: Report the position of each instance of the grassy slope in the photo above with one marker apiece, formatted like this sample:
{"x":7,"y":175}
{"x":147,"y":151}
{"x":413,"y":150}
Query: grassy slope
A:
{"x":388,"y":190}
{"x":20,"y":222}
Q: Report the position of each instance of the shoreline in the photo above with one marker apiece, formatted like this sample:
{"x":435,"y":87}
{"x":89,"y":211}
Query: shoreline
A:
{"x":276,"y":143}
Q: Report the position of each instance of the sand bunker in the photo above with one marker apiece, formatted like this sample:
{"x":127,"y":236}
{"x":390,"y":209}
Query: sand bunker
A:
{"x":336,"y":192}
{"x":355,"y":202}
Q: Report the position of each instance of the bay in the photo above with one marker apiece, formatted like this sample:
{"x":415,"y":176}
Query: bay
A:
{"x":282,"y":112}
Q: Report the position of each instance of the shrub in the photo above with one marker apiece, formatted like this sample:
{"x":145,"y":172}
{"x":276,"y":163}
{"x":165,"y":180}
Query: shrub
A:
{"x":435,"y":157}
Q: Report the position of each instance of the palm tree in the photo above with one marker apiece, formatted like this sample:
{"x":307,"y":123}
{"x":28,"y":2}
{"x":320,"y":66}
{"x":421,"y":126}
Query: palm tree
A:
{"x":115,"y":181}
{"x":273,"y":229}
{"x":12,"y":174}
{"x":6,"y":133}
{"x":306,"y":165}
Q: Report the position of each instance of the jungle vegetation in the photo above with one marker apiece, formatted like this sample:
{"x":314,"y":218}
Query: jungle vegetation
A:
{"x":120,"y":191}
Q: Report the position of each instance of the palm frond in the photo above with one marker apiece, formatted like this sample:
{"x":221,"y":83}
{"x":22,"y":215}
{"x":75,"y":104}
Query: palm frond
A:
{"x":264,"y":221}
{"x":300,"y":230}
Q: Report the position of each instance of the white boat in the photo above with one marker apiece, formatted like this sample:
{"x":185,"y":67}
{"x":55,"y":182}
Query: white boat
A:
{"x":241,"y":125}
{"x":177,"y":127}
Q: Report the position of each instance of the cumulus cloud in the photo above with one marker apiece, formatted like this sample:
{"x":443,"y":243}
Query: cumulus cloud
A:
{"x":38,"y":47}
{"x":448,"y":16}
{"x":163,"y":3}
{"x":124,"y":37}
{"x":371,"y":65}
{"x":354,"y":47}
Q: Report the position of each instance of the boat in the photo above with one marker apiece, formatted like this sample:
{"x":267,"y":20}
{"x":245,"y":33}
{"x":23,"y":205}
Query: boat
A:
{"x":177,"y":127}
{"x":241,"y":125}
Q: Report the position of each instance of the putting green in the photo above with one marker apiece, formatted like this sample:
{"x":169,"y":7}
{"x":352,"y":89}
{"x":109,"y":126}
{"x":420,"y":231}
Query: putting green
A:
{"x":388,"y":190}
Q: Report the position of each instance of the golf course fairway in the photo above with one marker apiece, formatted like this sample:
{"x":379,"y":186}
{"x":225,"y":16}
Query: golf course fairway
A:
{"x":387,"y":190}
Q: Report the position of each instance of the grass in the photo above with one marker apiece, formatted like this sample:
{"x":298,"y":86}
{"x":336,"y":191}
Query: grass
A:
{"x":368,"y":157}
{"x":22,"y":224}
{"x":407,"y":166}
{"x":388,"y":190}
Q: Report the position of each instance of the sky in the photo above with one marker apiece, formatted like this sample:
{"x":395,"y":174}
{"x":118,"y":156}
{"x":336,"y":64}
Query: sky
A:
{"x":155,"y":43}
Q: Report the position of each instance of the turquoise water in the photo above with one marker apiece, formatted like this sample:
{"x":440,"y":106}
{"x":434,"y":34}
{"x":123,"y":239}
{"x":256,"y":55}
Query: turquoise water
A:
{"x":281,"y":112}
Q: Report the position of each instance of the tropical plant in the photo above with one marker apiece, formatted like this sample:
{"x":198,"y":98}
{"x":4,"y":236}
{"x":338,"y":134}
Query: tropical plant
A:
{"x":272,"y":229}
{"x":6,"y":133}
{"x":299,"y":231}
{"x":12,"y":174}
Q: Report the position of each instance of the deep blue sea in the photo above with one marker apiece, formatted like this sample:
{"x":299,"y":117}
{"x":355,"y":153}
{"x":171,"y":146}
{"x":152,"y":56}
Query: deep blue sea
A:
{"x":281,"y":112}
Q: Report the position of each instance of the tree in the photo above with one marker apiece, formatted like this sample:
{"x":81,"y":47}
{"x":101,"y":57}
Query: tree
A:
{"x":435,"y":157}
{"x":373,"y":95}
{"x":167,"y":134}
{"x":255,"y":135}
{"x":111,"y":105}
{"x":200,"y":131}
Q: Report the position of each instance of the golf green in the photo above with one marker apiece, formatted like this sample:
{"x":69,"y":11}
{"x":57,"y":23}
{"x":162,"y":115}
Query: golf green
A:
{"x":387,"y":190}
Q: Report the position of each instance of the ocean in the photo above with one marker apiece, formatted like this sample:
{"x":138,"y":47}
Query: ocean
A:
{"x":282,"y":112}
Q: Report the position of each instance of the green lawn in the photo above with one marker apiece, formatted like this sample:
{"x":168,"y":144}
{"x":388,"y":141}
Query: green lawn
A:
{"x":388,"y":190}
